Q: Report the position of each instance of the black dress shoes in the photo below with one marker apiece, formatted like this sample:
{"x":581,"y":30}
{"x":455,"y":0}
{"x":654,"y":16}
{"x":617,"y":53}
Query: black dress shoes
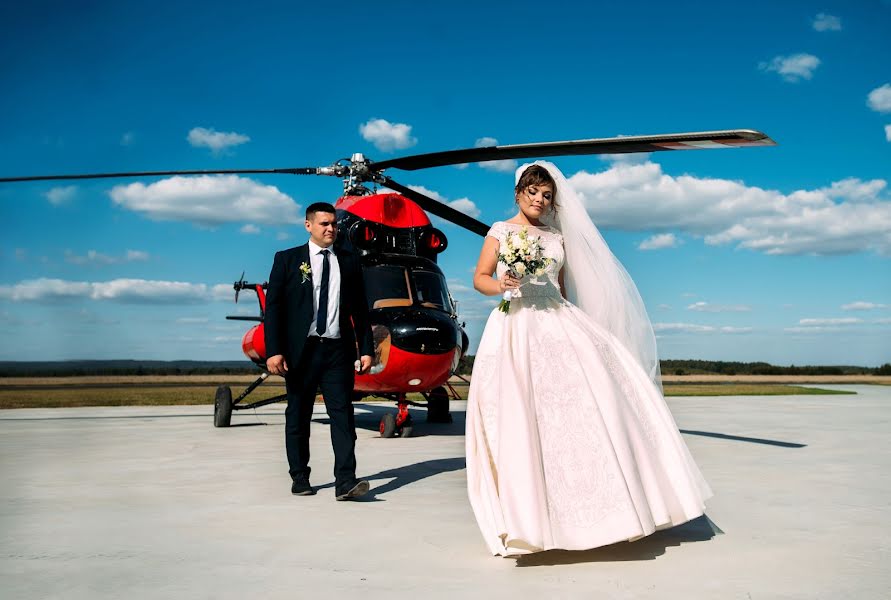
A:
{"x":301,"y":487}
{"x":353,"y":490}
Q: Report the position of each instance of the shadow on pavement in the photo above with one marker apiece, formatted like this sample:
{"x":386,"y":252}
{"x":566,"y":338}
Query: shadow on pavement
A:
{"x":700,"y":529}
{"x":739,"y":438}
{"x":370,"y":421}
{"x":402,"y":476}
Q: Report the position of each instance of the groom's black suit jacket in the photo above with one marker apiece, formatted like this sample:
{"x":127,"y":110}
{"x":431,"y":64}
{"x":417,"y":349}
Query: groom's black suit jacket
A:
{"x":289,"y":305}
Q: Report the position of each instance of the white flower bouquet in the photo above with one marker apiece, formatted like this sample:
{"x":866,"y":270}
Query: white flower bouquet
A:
{"x":522,"y":254}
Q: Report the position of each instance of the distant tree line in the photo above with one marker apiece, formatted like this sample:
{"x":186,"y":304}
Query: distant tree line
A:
{"x":710,"y":367}
{"x":465,"y":367}
{"x":77,"y":368}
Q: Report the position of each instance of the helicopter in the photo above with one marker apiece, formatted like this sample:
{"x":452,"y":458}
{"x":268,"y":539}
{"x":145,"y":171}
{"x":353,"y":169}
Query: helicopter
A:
{"x":417,"y":337}
{"x":418,"y":341}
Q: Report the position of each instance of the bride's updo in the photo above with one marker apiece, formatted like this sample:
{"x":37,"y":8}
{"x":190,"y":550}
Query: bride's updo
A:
{"x":537,"y":175}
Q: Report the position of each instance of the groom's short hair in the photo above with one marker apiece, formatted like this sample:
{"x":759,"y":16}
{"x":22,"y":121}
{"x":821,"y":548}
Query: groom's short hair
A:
{"x":315,"y":207}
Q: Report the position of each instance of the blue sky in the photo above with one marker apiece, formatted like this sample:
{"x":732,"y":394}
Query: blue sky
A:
{"x":777,"y":254}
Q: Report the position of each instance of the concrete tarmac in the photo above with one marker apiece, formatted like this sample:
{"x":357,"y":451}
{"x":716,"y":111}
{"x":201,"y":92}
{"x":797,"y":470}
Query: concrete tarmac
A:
{"x":154,"y":502}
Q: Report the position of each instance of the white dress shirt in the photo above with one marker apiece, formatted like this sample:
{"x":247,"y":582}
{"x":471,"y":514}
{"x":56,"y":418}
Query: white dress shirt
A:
{"x":315,"y":262}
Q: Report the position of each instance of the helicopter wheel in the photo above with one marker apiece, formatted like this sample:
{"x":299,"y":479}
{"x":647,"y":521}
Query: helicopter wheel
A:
{"x":406,"y":429}
{"x":222,"y":407}
{"x":438,"y":406}
{"x":388,"y":425}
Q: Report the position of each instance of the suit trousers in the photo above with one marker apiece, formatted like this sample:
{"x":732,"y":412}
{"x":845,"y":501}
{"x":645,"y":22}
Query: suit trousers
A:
{"x":325,"y":364}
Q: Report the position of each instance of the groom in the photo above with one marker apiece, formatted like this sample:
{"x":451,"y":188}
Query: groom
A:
{"x":316,"y":316}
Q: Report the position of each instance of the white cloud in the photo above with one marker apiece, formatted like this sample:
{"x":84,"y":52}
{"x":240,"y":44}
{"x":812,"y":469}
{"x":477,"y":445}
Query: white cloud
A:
{"x":832,"y":321}
{"x":736,"y":329}
{"x":681,"y":328}
{"x":810,"y":329}
{"x":664,"y":307}
{"x":627,"y":157}
{"x":473,"y":307}
{"x":792,"y":68}
{"x":146,"y":291}
{"x":223,"y":291}
{"x":61,"y":195}
{"x":715,"y":308}
{"x":45,"y":290}
{"x":880,"y":99}
{"x":659,"y":241}
{"x":282,"y":236}
{"x":209,"y":200}
{"x":387,"y":136}
{"x":127,"y":139}
{"x":217,"y":141}
{"x":888,"y":132}
{"x":92,"y":257}
{"x":136,"y":255}
{"x":457,"y":286}
{"x":125,"y":291}
{"x":855,"y":190}
{"x":883,"y":321}
{"x":824,"y":22}
{"x":860,"y":305}
{"x":250,"y":229}
{"x":464,"y":205}
{"x":848,"y":216}
{"x":501,"y":166}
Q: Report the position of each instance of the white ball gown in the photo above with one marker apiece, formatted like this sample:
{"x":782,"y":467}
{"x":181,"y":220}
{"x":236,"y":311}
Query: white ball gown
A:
{"x":570,"y":444}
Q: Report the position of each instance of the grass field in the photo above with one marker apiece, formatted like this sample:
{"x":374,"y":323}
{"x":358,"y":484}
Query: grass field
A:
{"x":213,"y":380}
{"x":185,"y":390}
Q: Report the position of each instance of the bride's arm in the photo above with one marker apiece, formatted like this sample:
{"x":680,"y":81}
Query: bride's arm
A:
{"x":485,"y":266}
{"x":562,"y":285}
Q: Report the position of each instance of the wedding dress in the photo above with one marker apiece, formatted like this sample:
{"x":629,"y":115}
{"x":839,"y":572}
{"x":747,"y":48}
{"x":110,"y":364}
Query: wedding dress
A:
{"x":570,"y":443}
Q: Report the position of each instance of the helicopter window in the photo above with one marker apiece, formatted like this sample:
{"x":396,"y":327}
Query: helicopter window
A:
{"x":386,"y":285}
{"x":431,"y":288}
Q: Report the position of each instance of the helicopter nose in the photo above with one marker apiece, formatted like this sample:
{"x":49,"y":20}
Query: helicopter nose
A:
{"x":425,"y":333}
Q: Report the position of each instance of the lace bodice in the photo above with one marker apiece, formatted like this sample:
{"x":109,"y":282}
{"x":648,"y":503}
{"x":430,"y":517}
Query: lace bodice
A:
{"x":548,"y":284}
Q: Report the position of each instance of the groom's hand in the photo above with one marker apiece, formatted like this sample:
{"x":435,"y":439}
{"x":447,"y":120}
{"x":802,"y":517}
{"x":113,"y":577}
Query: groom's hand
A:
{"x":277,"y":365}
{"x":364,"y":364}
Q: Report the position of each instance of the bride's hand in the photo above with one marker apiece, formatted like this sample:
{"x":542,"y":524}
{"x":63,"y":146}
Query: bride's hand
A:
{"x":508,"y":282}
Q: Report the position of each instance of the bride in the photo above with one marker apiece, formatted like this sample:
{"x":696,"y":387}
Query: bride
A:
{"x":569,"y":441}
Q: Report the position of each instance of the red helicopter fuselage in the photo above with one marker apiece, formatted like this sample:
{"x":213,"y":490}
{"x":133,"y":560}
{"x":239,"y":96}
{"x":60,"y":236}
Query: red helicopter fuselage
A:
{"x":418,"y":341}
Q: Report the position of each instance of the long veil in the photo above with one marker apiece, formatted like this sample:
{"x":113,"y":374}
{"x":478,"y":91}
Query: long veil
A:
{"x":594,"y":278}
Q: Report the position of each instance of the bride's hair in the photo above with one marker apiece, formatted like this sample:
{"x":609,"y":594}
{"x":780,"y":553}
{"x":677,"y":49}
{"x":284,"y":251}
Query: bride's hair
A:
{"x":537,"y":175}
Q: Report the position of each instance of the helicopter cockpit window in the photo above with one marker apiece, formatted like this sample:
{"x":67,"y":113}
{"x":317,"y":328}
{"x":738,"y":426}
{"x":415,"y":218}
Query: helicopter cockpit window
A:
{"x":386,"y":285}
{"x":431,"y":288}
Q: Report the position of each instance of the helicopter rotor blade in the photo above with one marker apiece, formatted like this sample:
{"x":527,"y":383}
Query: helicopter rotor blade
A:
{"x":438,"y":208}
{"x":618,"y":145}
{"x":294,"y":171}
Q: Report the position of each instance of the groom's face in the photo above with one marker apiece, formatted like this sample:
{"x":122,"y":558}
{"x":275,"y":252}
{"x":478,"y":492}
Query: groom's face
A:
{"x":322,"y":228}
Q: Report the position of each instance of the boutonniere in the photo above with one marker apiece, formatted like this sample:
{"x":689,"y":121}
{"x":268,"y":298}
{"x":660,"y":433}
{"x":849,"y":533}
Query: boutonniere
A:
{"x":306,"y":270}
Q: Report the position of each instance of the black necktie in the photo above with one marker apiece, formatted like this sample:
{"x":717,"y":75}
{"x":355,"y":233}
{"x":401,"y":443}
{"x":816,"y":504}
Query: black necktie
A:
{"x":322,"y":320}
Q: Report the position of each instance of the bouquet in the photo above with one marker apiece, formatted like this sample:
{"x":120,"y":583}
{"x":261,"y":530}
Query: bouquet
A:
{"x":522,"y":254}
